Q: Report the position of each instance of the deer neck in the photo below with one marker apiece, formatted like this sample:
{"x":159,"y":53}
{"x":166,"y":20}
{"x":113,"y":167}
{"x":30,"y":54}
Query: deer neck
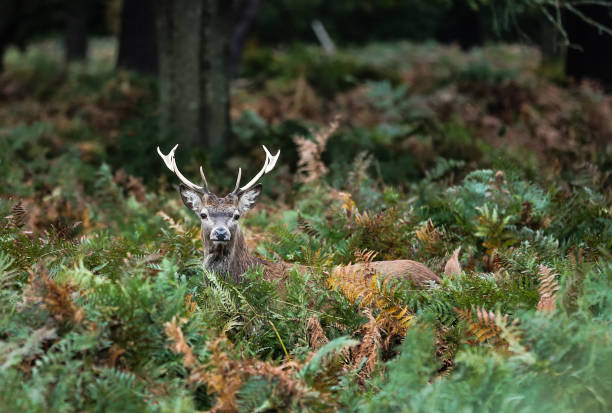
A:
{"x":231,"y":259}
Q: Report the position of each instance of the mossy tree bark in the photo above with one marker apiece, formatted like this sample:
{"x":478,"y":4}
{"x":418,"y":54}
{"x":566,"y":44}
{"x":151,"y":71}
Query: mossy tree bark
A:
{"x":193,"y":41}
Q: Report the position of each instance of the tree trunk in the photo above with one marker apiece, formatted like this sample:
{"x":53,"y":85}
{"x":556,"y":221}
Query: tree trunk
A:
{"x":138,"y":37}
{"x":77,"y":15}
{"x":194,"y":70}
{"x":549,"y":41}
{"x":462,"y":26}
{"x":594,"y":60}
{"x":9,"y":22}
{"x":245,"y":14}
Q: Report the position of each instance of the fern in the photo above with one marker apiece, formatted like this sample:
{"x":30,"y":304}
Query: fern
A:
{"x":117,"y":313}
{"x":19,"y":214}
{"x":310,"y":166}
{"x":494,"y":328}
{"x":364,"y":357}
{"x":361,"y":286}
{"x":8,"y":274}
{"x":485,"y":325}
{"x":574,"y":283}
{"x":315,"y":333}
{"x":548,"y":289}
{"x":431,"y":238}
{"x":306,"y":227}
{"x":221,"y":293}
{"x":494,"y":229}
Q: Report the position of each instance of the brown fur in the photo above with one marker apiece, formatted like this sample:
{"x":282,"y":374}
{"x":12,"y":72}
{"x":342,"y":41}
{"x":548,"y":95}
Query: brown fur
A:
{"x":417,"y":272}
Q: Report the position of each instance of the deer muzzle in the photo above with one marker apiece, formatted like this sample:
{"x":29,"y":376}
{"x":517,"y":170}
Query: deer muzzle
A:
{"x":220,"y":234}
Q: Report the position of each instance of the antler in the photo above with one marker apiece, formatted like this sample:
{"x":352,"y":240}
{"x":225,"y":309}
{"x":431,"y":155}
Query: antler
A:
{"x":269,"y":164}
{"x":170,"y":162}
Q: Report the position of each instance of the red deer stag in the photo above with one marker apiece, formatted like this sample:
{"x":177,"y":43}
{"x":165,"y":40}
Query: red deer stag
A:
{"x":225,"y":248}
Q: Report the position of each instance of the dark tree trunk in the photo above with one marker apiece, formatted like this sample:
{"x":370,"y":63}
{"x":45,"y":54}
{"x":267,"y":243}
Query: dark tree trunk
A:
{"x":463,"y":26}
{"x":245,"y":14}
{"x":549,"y":41}
{"x":193,"y":41}
{"x":138,"y":37}
{"x":595,"y":59}
{"x":77,"y":16}
{"x":9,"y":20}
{"x":2,"y":49}
{"x":215,"y":73}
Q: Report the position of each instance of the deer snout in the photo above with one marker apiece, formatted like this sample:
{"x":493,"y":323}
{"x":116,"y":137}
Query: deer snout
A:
{"x":220,"y":234}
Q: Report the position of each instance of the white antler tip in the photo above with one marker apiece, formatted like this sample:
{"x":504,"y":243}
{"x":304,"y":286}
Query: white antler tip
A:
{"x":166,"y":158}
{"x":170,"y":162}
{"x":268,"y":166}
{"x":270,"y":159}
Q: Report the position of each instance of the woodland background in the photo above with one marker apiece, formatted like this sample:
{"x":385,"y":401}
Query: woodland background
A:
{"x":425,"y":127}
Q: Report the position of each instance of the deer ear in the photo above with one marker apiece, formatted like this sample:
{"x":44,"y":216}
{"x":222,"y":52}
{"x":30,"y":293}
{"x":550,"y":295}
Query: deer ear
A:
{"x":191,"y":198}
{"x":248,"y":198}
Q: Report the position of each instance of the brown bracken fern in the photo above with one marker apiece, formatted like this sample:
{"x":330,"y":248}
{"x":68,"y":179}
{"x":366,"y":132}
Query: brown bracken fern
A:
{"x":430,"y":237}
{"x":316,"y":335}
{"x":363,"y":356}
{"x":224,"y":375}
{"x":367,"y":351}
{"x":179,"y":345}
{"x":485,"y":325}
{"x":495,"y":329}
{"x":362,"y":286}
{"x":18,"y":215}
{"x":548,"y":289}
{"x":55,"y":297}
{"x":310,"y":165}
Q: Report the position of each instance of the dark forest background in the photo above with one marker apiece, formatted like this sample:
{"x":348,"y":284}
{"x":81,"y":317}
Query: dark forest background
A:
{"x":195,"y":48}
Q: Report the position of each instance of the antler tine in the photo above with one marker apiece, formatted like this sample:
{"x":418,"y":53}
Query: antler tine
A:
{"x":269,"y":164}
{"x":235,"y":191}
{"x":273,"y":159}
{"x":204,"y":180}
{"x":170,"y":162}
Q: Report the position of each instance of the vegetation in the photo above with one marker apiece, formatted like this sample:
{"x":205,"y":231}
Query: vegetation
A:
{"x":105,"y":306}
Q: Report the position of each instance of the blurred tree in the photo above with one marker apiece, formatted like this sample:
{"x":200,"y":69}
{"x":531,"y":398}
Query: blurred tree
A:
{"x":20,"y":21}
{"x":75,"y":39}
{"x":583,"y":26}
{"x":194,"y":72}
{"x":138,"y":37}
{"x":462,"y":25}
{"x":9,"y":19}
{"x":245,"y":14}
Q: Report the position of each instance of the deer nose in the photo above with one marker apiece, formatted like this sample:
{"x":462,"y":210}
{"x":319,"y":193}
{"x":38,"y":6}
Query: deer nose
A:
{"x":220,"y":234}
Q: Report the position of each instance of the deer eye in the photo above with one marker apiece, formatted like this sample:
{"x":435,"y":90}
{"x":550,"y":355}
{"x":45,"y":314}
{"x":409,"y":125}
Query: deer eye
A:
{"x":203,"y":215}
{"x":236,"y":216}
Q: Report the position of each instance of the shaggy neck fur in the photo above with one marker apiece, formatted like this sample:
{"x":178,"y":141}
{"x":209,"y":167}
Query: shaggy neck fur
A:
{"x":231,"y":259}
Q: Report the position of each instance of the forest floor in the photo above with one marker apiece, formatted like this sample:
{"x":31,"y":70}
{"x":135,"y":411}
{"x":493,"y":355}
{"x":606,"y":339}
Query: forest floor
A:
{"x":105,"y":305}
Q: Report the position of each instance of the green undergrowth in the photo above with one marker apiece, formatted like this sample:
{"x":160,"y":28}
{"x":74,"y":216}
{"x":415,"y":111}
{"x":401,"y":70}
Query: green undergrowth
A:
{"x":84,"y":307}
{"x":105,"y":304}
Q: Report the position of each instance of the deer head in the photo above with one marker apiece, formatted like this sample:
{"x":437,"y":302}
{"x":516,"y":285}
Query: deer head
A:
{"x":224,"y":245}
